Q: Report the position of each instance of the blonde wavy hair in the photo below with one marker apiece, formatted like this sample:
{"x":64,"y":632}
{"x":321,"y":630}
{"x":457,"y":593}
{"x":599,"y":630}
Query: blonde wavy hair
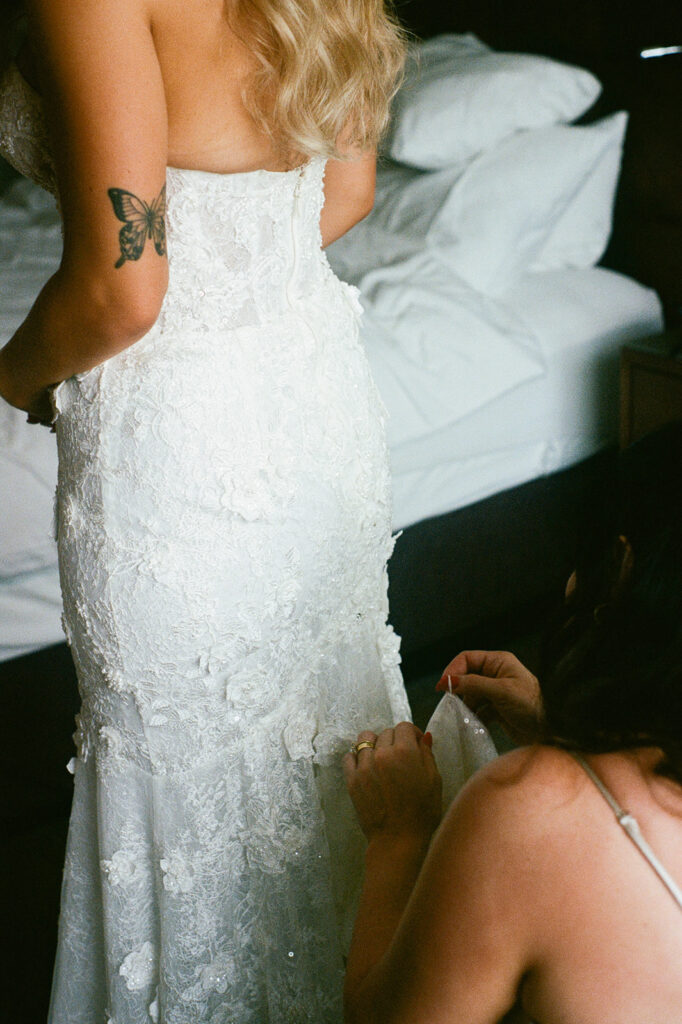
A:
{"x":326,"y":72}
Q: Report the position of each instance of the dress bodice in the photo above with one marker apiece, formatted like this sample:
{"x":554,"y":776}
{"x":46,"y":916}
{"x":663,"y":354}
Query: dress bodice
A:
{"x":244,"y":248}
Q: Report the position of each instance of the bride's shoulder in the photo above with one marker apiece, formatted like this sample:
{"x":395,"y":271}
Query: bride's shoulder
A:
{"x":59,"y":19}
{"x":79,"y":11}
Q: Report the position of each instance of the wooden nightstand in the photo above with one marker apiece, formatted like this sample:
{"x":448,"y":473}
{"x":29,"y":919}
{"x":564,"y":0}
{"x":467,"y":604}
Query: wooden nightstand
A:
{"x":650,"y":385}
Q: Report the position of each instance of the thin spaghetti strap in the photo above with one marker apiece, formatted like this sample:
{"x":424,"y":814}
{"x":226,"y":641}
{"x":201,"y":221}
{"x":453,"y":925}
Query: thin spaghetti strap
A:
{"x":631,"y":827}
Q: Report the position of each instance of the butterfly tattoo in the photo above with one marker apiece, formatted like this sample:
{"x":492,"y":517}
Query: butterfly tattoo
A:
{"x":140,"y":222}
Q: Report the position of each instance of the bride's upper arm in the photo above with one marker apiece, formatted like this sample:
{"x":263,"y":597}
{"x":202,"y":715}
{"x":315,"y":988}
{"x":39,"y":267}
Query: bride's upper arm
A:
{"x":106,"y":110}
{"x":352,"y":182}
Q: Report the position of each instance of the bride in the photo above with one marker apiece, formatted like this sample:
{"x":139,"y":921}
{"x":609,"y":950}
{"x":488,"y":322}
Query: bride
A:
{"x":223,"y":499}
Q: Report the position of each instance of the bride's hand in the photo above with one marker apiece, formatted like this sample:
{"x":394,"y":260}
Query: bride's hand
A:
{"x":395,"y":786}
{"x":497,"y":687}
{"x":39,"y":408}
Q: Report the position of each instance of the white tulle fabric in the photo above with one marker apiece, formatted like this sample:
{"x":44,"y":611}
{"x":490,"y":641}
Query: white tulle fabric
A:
{"x":224,"y":525}
{"x":461,"y":745}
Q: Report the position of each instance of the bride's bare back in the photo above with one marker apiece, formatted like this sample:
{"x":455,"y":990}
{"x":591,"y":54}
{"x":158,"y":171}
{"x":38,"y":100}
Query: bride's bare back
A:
{"x":204,"y":66}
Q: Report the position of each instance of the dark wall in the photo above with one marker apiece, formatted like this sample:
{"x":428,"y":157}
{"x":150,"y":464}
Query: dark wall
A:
{"x":574,"y":29}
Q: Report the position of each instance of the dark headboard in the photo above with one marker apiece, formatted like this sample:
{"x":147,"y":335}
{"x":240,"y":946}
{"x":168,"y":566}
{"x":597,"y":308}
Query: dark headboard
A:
{"x":607,"y":37}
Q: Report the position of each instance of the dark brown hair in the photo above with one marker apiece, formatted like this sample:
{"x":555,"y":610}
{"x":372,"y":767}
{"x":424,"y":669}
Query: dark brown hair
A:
{"x":613,"y":669}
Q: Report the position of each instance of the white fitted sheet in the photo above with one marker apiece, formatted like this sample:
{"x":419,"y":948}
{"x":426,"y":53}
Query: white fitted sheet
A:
{"x":581,"y":320}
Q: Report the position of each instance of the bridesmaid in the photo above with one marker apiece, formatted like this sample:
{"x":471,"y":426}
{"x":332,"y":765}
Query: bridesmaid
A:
{"x":537,"y":886}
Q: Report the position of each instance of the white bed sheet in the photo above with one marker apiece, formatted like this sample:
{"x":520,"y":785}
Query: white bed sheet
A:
{"x":30,"y":612}
{"x":581,"y":319}
{"x":30,"y":598}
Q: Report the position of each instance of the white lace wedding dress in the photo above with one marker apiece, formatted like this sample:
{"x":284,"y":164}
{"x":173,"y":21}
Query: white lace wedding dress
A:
{"x":223,"y":525}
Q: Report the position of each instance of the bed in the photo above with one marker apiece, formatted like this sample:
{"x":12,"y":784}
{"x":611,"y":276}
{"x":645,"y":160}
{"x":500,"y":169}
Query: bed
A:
{"x":493,"y":334}
{"x":492,"y":567}
{"x":30,"y":600}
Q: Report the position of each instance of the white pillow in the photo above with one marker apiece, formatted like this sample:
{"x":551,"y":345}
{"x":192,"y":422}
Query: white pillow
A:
{"x":502,"y":211}
{"x":460,"y":98}
{"x":579,"y":238}
{"x":542,"y":199}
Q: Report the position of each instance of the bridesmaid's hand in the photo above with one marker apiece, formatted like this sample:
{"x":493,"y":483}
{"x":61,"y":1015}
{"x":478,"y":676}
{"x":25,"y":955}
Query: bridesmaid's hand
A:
{"x":497,"y":687}
{"x":395,"y":787}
